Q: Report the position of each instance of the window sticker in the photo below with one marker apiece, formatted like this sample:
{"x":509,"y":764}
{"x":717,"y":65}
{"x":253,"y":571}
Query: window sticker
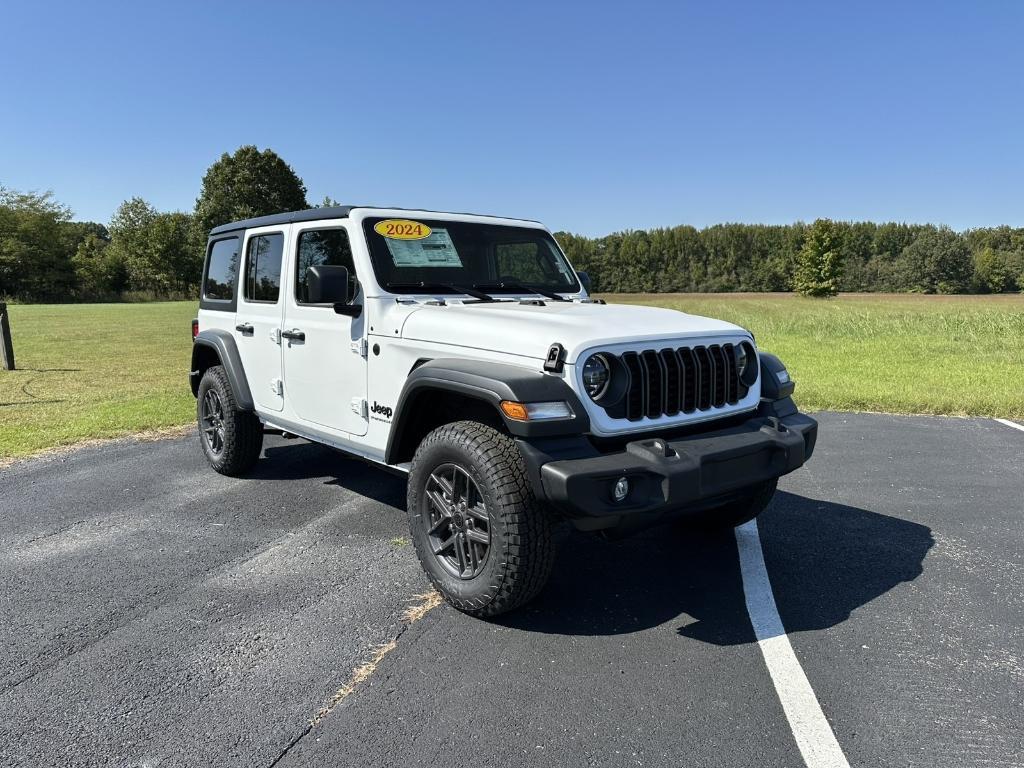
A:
{"x":402,"y":229}
{"x":434,"y":250}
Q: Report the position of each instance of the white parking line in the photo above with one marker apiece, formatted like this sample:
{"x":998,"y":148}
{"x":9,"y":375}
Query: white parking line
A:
{"x":1013,"y":424}
{"x":813,"y":734}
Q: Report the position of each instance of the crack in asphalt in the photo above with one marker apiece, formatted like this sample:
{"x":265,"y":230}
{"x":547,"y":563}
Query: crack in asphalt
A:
{"x":428,"y":601}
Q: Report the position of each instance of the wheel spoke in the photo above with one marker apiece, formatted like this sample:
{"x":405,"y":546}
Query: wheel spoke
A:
{"x":445,"y":545}
{"x":460,"y":551}
{"x":478,"y":536}
{"x":479,"y":511}
{"x":440,"y":503}
{"x":437,"y":526}
{"x":444,"y":483}
{"x":474,"y":562}
{"x":459,"y":489}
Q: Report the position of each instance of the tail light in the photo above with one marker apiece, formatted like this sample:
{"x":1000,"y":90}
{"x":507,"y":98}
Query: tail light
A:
{"x":195,"y":328}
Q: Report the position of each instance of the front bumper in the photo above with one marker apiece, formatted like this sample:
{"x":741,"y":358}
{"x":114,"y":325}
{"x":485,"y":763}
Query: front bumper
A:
{"x":669,"y":475}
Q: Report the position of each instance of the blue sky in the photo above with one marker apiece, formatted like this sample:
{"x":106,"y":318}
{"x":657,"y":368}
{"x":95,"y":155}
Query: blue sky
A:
{"x":593,"y":117}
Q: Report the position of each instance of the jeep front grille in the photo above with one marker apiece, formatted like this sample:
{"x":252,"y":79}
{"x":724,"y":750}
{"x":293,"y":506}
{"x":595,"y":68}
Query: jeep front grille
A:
{"x":666,"y":382}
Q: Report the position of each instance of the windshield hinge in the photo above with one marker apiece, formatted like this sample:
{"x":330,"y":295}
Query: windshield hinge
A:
{"x":555,"y":359}
{"x":361,"y":347}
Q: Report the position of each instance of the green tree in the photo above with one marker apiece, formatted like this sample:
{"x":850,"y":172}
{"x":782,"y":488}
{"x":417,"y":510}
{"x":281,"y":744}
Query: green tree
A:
{"x":99,"y":270}
{"x":819,"y":266}
{"x":175,"y":264}
{"x":938,"y":261}
{"x":995,"y":271}
{"x":155,"y":248}
{"x":129,"y":244}
{"x":34,"y":262}
{"x":246,"y":184}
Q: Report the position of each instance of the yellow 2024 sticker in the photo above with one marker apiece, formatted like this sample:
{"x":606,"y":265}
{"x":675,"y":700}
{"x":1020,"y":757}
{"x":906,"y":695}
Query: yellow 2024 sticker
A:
{"x":402,"y":229}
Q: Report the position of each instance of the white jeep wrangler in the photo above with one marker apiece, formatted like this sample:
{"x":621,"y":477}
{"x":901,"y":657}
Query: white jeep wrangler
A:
{"x":465,"y":352}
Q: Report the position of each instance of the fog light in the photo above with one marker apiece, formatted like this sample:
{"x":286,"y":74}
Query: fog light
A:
{"x":621,"y":489}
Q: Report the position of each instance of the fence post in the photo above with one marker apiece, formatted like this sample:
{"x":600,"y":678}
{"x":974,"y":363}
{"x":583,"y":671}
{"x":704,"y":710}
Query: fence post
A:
{"x":6,"y":346}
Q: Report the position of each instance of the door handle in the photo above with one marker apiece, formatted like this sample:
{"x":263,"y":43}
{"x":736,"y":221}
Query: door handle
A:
{"x":294,"y":334}
{"x":243,"y":328}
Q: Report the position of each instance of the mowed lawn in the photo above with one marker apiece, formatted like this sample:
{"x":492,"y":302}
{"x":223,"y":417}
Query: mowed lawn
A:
{"x":103,"y":370}
{"x":95,"y":370}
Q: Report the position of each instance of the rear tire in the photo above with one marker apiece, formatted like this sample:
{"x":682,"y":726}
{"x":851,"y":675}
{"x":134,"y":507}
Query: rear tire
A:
{"x":481,"y":535}
{"x":231,"y":439}
{"x":737,"y":512}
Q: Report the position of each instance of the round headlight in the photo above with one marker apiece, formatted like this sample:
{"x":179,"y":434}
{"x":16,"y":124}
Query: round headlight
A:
{"x":746,"y":363}
{"x":596,"y":374}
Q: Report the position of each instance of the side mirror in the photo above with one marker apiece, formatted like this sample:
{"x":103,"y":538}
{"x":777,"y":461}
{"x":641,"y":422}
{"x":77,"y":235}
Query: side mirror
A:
{"x":330,"y":284}
{"x":584,"y":280}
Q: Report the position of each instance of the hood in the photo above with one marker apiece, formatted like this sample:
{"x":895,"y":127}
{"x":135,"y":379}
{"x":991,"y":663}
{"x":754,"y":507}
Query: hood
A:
{"x":529,"y":330}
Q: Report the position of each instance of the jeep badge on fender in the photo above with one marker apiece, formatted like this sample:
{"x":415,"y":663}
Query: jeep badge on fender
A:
{"x":383,"y":410}
{"x":517,"y":400}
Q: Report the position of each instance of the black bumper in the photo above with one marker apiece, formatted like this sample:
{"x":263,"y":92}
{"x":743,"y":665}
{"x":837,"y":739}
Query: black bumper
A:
{"x":675,"y":474}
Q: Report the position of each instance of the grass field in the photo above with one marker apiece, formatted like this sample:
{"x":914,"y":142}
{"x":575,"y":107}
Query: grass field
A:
{"x":902,"y":353}
{"x":103,"y":370}
{"x":94,"y":370}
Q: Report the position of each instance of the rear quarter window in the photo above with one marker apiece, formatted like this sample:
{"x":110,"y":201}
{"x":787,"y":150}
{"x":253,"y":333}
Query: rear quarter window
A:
{"x":221,"y":270}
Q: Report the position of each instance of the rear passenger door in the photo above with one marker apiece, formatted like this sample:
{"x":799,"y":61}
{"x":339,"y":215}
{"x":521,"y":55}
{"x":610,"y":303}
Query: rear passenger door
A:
{"x":259,"y":313}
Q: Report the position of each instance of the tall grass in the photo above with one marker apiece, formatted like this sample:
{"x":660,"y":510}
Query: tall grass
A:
{"x":958,"y":355}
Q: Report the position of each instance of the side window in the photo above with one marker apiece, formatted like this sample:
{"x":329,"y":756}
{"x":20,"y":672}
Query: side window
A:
{"x":221,"y":270}
{"x":263,"y":268}
{"x":321,"y":246}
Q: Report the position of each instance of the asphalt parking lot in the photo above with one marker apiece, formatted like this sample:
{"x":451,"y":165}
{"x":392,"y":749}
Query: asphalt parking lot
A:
{"x":157,"y":614}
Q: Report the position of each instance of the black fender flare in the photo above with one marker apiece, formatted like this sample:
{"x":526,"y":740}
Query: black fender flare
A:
{"x":490,"y":383}
{"x":223,"y":344}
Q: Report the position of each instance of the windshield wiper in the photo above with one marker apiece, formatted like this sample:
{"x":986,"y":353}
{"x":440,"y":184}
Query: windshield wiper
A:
{"x":522,"y":287}
{"x":469,"y":290}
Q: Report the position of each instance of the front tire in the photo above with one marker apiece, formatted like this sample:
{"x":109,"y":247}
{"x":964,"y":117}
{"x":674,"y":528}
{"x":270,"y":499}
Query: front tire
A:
{"x":232,"y":439}
{"x":481,"y":535}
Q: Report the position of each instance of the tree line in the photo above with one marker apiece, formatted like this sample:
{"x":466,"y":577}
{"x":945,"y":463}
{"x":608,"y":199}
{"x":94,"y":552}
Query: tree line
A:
{"x":141,"y":253}
{"x":144,"y":253}
{"x":818,"y":258}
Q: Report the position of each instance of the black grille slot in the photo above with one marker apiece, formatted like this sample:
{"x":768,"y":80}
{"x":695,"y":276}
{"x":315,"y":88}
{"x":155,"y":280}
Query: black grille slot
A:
{"x":689,"y":363}
{"x":721,"y":370}
{"x":707,"y":378}
{"x":654,"y":403}
{"x":635,"y":395}
{"x":671,"y":381}
{"x":731,"y":379}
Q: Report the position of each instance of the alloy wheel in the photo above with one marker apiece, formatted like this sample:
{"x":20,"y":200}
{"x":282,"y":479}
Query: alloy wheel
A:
{"x":212,"y":421}
{"x":459,"y":528}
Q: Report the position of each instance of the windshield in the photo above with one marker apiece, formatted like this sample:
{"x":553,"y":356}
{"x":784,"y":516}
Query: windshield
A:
{"x":438,"y":256}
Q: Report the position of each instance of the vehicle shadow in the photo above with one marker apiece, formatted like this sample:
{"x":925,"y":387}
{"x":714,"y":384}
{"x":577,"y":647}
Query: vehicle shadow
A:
{"x":824,"y":561}
{"x":299,"y":460}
